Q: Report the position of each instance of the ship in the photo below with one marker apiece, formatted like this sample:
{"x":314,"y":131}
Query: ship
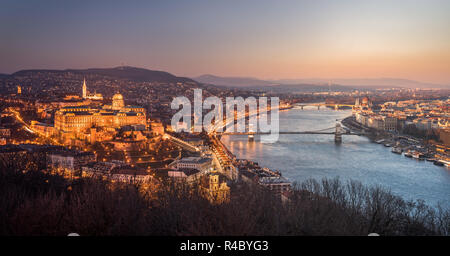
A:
{"x":396,"y":150}
{"x":418,"y":156}
{"x":438,"y":163}
{"x":379,"y":141}
{"x":442,"y":162}
{"x":408,"y":154}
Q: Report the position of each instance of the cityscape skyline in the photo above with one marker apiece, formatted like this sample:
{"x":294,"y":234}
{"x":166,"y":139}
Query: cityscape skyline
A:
{"x":306,"y":39}
{"x":239,"y":121}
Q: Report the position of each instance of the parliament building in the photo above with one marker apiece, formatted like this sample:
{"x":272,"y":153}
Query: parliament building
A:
{"x":79,"y":119}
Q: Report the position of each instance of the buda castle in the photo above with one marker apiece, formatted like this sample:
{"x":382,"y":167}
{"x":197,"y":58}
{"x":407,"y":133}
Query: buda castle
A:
{"x":78,"y":119}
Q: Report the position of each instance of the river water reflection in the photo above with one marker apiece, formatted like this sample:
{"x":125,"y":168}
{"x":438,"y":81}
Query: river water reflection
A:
{"x":300,"y":157}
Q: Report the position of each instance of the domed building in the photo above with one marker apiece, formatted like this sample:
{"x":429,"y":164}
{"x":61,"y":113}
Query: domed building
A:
{"x":117,"y":101}
{"x":73,"y":120}
{"x":363,"y":104}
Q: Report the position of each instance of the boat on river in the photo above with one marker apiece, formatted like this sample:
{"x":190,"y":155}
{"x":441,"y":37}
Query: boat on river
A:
{"x":397,"y":150}
{"x":408,"y":154}
{"x":442,"y":162}
{"x":418,"y":156}
{"x":439,"y":163}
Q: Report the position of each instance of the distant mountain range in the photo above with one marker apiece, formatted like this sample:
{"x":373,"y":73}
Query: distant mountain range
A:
{"x":233,"y":81}
{"x":146,"y":75}
{"x":354,"y":83}
{"x":368,"y":82}
{"x":131,"y":73}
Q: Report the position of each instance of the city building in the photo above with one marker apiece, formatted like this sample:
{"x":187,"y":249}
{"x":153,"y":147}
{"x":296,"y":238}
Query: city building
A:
{"x":5,"y":132}
{"x":22,"y":154}
{"x":199,"y":163}
{"x":185,"y":174}
{"x":116,"y":171}
{"x":390,"y":123}
{"x":424,"y":124}
{"x":91,"y":96}
{"x":376,"y":122}
{"x":444,"y":136}
{"x":129,"y":174}
{"x":69,"y":160}
{"x":215,"y":191}
{"x":157,"y":128}
{"x":78,"y":119}
{"x":277,"y":184}
{"x":362,"y":118}
{"x":42,"y":128}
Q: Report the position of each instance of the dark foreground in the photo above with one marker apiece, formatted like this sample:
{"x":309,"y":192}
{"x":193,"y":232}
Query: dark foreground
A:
{"x":35,"y":203}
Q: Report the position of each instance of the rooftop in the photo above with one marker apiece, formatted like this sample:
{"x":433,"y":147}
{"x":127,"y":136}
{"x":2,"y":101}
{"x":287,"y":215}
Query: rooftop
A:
{"x":196,"y":160}
{"x":274,"y":180}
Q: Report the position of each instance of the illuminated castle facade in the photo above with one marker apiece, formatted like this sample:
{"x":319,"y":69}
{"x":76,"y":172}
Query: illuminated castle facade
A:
{"x":78,"y":119}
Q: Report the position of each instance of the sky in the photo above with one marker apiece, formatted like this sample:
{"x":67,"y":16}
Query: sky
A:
{"x":278,"y":39}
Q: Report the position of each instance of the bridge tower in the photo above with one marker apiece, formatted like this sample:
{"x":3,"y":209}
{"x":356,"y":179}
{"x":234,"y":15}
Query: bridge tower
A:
{"x":338,"y":134}
{"x":251,"y":133}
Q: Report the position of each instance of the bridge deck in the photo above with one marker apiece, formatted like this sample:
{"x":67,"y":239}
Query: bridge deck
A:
{"x":267,"y":133}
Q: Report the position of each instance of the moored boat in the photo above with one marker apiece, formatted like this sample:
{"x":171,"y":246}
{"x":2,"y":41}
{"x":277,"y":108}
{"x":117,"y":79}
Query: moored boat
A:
{"x":418,"y":156}
{"x":439,"y":163}
{"x":396,"y":150}
{"x":446,"y":163}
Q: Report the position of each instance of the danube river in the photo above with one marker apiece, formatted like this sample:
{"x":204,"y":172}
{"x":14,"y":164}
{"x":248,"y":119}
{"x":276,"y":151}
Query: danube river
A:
{"x":300,"y":157}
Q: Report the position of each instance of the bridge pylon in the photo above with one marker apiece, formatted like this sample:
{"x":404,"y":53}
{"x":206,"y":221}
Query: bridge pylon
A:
{"x":338,"y":134}
{"x":251,"y":134}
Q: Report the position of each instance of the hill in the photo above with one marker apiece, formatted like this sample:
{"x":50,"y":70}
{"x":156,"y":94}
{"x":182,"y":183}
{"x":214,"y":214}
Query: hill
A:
{"x":233,"y":81}
{"x":131,"y":73}
{"x":276,"y":86}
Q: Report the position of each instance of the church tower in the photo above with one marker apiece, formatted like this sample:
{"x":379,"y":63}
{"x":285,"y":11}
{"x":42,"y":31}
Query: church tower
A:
{"x":84,"y":89}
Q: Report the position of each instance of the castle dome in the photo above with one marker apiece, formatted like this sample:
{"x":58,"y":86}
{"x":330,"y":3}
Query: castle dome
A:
{"x":117,"y":96}
{"x":117,"y":101}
